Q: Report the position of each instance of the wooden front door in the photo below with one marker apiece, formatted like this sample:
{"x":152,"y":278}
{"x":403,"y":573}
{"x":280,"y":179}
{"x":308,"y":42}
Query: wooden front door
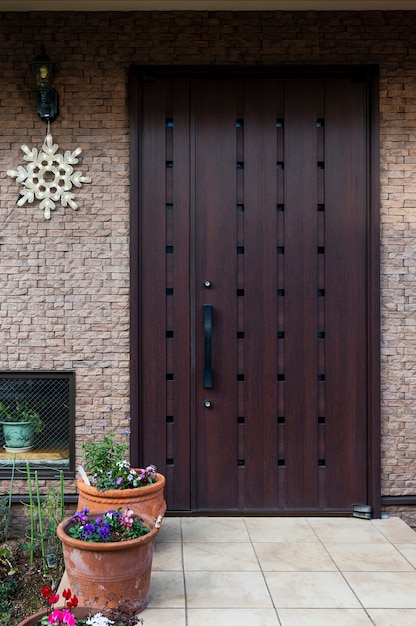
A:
{"x":253,"y":374}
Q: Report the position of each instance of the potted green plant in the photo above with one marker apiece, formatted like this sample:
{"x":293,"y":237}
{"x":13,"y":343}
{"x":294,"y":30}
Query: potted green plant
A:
{"x":108,"y":481}
{"x":19,"y":422}
{"x":108,"y":558}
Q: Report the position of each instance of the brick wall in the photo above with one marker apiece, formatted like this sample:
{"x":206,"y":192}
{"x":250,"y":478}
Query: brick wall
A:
{"x":64,"y":282}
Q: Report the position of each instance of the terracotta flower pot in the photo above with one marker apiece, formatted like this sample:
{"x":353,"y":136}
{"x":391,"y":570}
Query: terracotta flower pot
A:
{"x":148,"y":499}
{"x":105,"y":575}
{"x":34,"y":620}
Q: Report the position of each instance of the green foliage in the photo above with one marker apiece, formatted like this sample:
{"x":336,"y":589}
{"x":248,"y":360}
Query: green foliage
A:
{"x":52,"y":515}
{"x":5,"y":618}
{"x":6,"y":507}
{"x":7,"y":590}
{"x":21,"y":413}
{"x":106,"y":462}
{"x":4,"y":517}
{"x":8,"y":584}
{"x":44,"y":518}
{"x":101,"y":457}
{"x":5,"y":560}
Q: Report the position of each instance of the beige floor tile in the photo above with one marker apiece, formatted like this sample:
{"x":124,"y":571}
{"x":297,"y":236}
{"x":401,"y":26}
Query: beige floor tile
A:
{"x":214,"y":529}
{"x":395,"y":530}
{"x":167,"y":556}
{"x":278,"y":529}
{"x":393,"y":617}
{"x":293,"y":557}
{"x":158,"y":617}
{"x":368,"y":557}
{"x":232,"y":590}
{"x":167,"y":590}
{"x":409,"y":551}
{"x":388,"y":590}
{"x":232,"y":617}
{"x":170,"y":530}
{"x":219,"y":556}
{"x":319,"y":590}
{"x":324,"y":617}
{"x":225,"y":587}
{"x":344,"y":530}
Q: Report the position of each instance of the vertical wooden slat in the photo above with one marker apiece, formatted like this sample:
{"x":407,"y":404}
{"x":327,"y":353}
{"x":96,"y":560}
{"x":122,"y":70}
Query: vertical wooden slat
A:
{"x":214,"y":119}
{"x":152,"y":278}
{"x":181,"y":300}
{"x":263,"y":105}
{"x":301,"y":372}
{"x":345,"y":292}
{"x":136,"y":115}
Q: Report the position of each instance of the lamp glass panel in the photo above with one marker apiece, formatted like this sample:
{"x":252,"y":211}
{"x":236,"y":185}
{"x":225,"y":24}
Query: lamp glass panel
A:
{"x":42,"y":75}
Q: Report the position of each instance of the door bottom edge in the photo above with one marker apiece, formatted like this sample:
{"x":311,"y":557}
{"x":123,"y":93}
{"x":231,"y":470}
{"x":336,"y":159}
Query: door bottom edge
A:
{"x":260,"y":513}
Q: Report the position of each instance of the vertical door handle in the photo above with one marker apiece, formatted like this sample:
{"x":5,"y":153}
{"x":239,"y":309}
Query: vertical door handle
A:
{"x":208,"y":346}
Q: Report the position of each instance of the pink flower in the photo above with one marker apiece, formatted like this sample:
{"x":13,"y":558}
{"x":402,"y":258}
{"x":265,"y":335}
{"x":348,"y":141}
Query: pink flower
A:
{"x":69,"y":619}
{"x":127,"y":519}
{"x":58,"y":618}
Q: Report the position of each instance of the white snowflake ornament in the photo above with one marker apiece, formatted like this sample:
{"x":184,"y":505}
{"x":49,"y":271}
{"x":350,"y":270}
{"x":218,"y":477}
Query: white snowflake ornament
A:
{"x":49,"y":177}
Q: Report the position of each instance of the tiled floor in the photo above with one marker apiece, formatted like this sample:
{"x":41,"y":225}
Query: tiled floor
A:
{"x":287,"y":571}
{"x":283,"y":571}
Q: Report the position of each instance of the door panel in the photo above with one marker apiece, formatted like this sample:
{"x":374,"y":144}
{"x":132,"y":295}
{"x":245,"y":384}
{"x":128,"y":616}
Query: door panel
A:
{"x":301,"y":299}
{"x":213,"y":124}
{"x":346,"y":285}
{"x":260,"y":187}
{"x":263,"y":106}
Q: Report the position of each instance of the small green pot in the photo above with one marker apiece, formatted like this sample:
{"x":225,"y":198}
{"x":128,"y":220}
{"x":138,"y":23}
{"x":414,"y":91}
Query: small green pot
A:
{"x":18,"y":436}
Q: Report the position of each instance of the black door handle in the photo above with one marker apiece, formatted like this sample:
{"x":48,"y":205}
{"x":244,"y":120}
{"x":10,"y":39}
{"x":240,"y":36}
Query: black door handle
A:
{"x":208,"y":346}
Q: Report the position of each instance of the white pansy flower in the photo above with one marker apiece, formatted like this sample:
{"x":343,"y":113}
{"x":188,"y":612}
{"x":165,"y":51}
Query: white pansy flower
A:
{"x":99,"y":620}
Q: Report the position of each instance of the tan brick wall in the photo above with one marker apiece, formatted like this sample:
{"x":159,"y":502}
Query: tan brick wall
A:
{"x":65,"y":283}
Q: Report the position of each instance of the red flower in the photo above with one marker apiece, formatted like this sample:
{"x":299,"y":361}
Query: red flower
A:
{"x":71,"y":600}
{"x":53,"y":599}
{"x":46,"y":591}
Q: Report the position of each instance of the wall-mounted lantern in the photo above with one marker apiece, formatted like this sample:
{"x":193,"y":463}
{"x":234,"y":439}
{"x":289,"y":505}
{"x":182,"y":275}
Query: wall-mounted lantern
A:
{"x":44,"y":70}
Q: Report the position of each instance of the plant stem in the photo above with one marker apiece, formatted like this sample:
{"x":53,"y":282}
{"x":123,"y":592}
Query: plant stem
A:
{"x":31,"y":515}
{"x":61,"y":481}
{"x":41,"y":535}
{"x":9,"y":503}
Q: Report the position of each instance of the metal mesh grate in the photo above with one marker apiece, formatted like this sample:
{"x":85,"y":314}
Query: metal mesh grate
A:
{"x":52,"y":397}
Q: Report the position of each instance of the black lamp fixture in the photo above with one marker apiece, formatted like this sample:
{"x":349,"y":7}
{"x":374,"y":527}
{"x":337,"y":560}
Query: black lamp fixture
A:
{"x":44,"y":70}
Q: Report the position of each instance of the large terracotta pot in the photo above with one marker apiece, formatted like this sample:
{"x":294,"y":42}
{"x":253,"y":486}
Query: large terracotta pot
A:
{"x":34,"y":620}
{"x":106,"y":575}
{"x":148,"y":499}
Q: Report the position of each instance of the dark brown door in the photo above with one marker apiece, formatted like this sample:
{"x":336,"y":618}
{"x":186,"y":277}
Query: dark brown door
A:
{"x":252,"y":291}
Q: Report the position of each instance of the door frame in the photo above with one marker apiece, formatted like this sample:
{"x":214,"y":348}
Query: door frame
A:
{"x":366,"y":73}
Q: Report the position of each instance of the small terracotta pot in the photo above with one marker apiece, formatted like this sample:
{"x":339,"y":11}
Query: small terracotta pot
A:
{"x":34,"y":620}
{"x":106,"y":575}
{"x":148,"y":499}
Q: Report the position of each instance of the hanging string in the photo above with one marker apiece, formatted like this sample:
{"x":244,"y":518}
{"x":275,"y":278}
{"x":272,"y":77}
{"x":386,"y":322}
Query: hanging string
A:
{"x":6,"y":219}
{"x":48,"y":130}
